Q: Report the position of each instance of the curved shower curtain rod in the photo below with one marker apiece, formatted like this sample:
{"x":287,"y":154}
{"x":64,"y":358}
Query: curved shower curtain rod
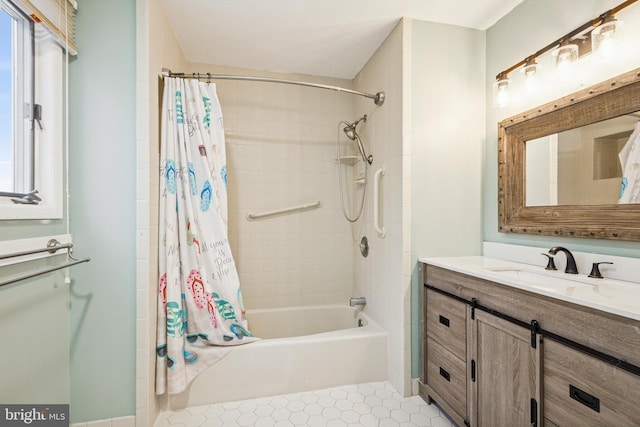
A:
{"x":378,"y":98}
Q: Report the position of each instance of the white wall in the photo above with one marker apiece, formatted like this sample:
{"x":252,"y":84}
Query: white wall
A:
{"x":447,"y":142}
{"x":156,"y":47}
{"x":383,"y":277}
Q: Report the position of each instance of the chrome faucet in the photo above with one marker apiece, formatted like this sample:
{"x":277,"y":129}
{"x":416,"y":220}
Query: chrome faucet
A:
{"x":571,"y":267}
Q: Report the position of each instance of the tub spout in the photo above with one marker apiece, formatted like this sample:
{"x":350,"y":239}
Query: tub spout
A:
{"x":357,"y":301}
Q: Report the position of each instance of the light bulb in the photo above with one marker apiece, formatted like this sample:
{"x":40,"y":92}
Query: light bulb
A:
{"x":565,"y":55}
{"x":530,"y":71}
{"x":501,"y":92}
{"x":603,"y":39}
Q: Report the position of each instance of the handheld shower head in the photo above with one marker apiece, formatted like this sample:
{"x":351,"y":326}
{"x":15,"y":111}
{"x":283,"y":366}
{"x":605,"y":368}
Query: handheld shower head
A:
{"x":350,"y":131}
{"x":350,"y":128}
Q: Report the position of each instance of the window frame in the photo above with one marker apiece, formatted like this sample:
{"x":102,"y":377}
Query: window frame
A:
{"x":46,"y":148}
{"x":22,"y":83}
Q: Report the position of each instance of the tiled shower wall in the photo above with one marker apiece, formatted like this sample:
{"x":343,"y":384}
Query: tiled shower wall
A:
{"x":384,"y":276}
{"x":156,"y":48}
{"x":281,"y":151}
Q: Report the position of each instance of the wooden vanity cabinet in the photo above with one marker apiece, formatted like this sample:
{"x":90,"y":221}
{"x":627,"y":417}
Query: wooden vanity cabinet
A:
{"x":513,"y":376}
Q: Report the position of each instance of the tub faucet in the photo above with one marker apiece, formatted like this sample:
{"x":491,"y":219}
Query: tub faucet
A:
{"x":357,"y":301}
{"x":571,"y":267}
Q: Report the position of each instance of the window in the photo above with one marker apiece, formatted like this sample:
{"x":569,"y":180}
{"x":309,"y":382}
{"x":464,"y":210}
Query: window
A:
{"x":6,"y":146}
{"x":16,"y":98}
{"x":32,"y":112}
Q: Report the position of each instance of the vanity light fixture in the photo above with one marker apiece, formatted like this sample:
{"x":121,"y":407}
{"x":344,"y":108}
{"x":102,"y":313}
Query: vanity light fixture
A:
{"x":596,"y":34}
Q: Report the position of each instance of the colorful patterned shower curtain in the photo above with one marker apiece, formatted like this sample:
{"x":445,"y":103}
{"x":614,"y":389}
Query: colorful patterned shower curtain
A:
{"x":200,"y":308}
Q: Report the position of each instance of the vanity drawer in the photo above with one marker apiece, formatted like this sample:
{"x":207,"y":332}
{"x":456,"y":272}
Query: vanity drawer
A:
{"x":446,"y":323}
{"x":446,"y":374}
{"x":580,"y":390}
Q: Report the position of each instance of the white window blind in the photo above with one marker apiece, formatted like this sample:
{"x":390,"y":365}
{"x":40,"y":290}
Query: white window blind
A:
{"x":57,"y":16}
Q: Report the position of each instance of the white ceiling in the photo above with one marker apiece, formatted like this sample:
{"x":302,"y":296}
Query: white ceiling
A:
{"x":332,"y":38}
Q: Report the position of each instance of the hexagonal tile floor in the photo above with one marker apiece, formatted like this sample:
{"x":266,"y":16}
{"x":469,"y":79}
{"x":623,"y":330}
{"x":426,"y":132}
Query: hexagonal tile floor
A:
{"x":361,"y":405}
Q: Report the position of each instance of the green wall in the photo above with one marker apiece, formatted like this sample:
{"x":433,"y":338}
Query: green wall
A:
{"x":103,"y":210}
{"x":447,"y":87}
{"x":34,"y":328}
{"x":527,"y":28}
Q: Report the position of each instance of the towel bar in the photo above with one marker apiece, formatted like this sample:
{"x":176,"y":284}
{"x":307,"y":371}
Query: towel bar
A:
{"x":52,"y":247}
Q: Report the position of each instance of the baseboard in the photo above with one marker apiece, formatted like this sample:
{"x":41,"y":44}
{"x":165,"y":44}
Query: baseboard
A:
{"x":129,"y":421}
{"x":414,"y":386}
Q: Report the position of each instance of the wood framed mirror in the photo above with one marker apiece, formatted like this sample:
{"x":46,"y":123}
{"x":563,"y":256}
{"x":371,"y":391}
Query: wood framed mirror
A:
{"x":601,"y":218}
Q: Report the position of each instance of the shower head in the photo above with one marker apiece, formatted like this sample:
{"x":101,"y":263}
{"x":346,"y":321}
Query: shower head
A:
{"x":350,"y":128}
{"x":350,"y":131}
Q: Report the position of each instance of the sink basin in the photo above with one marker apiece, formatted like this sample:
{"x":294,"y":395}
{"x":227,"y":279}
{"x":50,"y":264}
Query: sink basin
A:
{"x":545,"y":281}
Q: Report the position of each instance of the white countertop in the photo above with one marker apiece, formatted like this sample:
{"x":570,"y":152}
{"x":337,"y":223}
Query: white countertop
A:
{"x":610,"y":295}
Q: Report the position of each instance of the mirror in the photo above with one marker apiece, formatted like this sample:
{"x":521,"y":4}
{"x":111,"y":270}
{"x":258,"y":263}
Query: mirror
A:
{"x":559,"y":171}
{"x":579,"y":166}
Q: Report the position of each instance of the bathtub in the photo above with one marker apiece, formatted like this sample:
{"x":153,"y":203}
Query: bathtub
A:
{"x":303,"y":348}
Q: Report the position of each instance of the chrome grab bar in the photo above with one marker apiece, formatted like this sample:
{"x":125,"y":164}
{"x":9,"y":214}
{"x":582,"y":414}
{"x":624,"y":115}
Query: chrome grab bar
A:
{"x":254,"y":216}
{"x":376,"y":203}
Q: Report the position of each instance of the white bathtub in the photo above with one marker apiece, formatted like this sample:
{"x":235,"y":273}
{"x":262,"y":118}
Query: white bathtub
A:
{"x":304,"y":348}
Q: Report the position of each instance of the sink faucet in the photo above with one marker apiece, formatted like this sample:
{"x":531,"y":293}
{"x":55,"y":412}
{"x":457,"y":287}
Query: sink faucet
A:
{"x":571,"y":262}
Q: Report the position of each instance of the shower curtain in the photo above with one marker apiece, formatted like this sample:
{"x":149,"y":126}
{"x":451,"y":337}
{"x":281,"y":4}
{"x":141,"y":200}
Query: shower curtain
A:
{"x":200,"y":308}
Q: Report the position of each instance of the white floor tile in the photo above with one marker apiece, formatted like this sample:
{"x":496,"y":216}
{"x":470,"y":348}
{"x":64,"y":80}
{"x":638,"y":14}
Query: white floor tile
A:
{"x":359,"y":405}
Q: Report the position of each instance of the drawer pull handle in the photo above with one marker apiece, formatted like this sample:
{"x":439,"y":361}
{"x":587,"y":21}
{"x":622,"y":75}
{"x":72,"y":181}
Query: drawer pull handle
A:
{"x":444,"y":321}
{"x":585,"y":398}
{"x":445,"y":375}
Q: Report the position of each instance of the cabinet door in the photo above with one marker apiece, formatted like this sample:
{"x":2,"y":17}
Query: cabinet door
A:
{"x":507,"y":374}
